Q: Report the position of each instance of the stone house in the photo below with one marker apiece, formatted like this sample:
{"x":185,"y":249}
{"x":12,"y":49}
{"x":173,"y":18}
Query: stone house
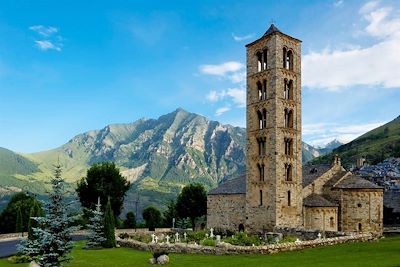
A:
{"x":277,"y":191}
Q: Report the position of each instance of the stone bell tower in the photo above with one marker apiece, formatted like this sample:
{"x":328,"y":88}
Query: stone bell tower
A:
{"x":274,"y":162}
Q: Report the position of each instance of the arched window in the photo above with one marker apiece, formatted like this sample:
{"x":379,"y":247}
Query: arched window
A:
{"x":260,"y":120}
{"x":359,"y":227}
{"x":265,"y":58}
{"x":288,"y":89}
{"x":288,"y":172}
{"x":261,"y":198}
{"x":288,"y":146}
{"x":261,"y":146}
{"x":260,"y":91}
{"x":331,"y":222}
{"x":264,"y":93}
{"x":289,"y":60}
{"x":290,"y":119}
{"x":241,"y":227}
{"x":288,"y":198}
{"x":259,"y":61}
{"x":264,"y":114}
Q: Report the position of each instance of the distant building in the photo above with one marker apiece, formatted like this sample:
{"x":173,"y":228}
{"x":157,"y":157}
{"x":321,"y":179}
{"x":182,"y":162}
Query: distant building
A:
{"x":277,"y":191}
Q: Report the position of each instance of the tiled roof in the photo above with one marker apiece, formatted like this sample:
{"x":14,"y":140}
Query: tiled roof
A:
{"x":335,"y":178}
{"x":271,"y":30}
{"x":312,"y":172}
{"x":356,"y":182}
{"x":315,"y":200}
{"x":230,"y":187}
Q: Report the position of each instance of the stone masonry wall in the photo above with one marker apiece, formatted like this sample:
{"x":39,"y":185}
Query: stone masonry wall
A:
{"x":226,"y":211}
{"x":274,"y":209}
{"x":362,"y":211}
{"x":321,"y":218}
{"x":227,"y":249}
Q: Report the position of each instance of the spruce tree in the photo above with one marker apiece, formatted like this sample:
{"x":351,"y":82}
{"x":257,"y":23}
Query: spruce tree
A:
{"x":35,"y":211}
{"x":109,"y":226}
{"x":51,"y":241}
{"x":19,"y":225}
{"x":95,"y":236}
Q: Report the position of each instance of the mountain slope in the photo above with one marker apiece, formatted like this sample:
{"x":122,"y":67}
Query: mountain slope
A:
{"x":375,"y":145}
{"x":159,"y":156}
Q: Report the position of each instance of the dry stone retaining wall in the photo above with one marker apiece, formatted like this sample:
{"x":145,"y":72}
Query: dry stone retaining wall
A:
{"x":227,"y":249}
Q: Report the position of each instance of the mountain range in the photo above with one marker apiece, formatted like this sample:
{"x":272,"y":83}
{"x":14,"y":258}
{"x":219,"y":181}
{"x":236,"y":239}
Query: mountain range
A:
{"x":159,"y":156}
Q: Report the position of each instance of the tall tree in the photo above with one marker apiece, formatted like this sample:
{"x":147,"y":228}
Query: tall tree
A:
{"x":192,"y":202}
{"x":52,"y":239}
{"x":103,"y":180}
{"x":152,"y":216}
{"x":36,"y":211}
{"x":170,"y":214}
{"x":95,"y":237}
{"x":8,"y":217}
{"x":19,"y":226}
{"x":130,"y":221}
{"x":109,"y":226}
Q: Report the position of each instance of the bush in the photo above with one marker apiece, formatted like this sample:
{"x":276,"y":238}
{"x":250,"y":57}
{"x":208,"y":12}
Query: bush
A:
{"x":20,"y":259}
{"x":208,"y":242}
{"x":196,"y":236}
{"x":288,"y":239}
{"x":242,"y":239}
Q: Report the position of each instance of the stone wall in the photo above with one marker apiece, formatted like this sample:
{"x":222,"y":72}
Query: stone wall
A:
{"x":321,"y":218}
{"x":226,"y":211}
{"x":362,"y":211}
{"x":267,"y":201}
{"x":227,"y":249}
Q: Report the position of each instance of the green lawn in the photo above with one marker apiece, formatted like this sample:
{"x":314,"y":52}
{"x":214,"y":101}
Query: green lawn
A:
{"x":385,"y":252}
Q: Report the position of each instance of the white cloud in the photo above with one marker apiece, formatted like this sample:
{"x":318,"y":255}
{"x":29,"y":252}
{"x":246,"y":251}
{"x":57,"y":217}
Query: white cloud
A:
{"x":47,"y":45}
{"x":221,"y":69}
{"x":236,"y":95}
{"x":338,"y":3}
{"x":320,"y":134}
{"x":373,"y":65}
{"x":49,"y":39}
{"x":238,"y":38}
{"x":221,"y":111}
{"x":44,"y":30}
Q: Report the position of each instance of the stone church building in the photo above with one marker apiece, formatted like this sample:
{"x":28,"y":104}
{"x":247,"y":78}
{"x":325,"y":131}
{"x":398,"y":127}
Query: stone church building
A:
{"x":277,"y":191}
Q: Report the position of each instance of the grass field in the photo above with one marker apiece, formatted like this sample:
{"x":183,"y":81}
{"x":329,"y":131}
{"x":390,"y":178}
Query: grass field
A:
{"x":385,"y":252}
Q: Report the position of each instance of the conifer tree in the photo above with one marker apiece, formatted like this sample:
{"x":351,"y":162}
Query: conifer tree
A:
{"x":51,"y":241}
{"x":95,"y":236}
{"x":35,"y":211}
{"x":109,"y":226}
{"x":19,"y":225}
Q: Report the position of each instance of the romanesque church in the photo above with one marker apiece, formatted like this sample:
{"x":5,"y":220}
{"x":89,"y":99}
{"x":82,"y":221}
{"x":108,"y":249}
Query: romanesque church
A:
{"x":277,"y":191}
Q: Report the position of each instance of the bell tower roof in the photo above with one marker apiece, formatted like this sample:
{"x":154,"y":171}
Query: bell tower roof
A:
{"x":271,"y":31}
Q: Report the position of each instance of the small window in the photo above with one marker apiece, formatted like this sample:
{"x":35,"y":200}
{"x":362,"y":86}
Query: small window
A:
{"x":359,"y":227}
{"x":260,"y":91}
{"x":261,"y":198}
{"x":288,"y":198}
{"x":264,"y":93}
{"x":259,"y":61}
{"x":265,"y":57}
{"x":359,"y":205}
{"x":260,"y":120}
{"x":264,"y":118}
{"x":331,"y":222}
{"x":288,"y":172}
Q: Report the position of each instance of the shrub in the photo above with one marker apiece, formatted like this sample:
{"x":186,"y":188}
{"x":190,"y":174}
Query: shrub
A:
{"x":242,"y":239}
{"x":20,"y":259}
{"x":208,"y":242}
{"x":288,"y":239}
{"x":196,"y":236}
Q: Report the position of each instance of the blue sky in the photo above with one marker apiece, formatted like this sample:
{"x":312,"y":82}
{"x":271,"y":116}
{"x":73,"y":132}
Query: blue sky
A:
{"x":67,"y":67}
